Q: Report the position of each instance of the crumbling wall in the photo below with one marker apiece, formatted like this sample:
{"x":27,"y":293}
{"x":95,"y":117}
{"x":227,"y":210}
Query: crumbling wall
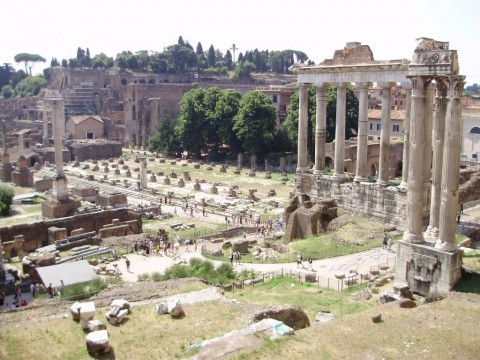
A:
{"x":95,"y":149}
{"x":36,"y":234}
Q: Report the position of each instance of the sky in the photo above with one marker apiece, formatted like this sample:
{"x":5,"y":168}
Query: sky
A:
{"x":56,"y":28}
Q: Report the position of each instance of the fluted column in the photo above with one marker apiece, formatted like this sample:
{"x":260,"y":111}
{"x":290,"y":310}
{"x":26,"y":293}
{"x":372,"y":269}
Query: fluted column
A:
{"x":406,"y":138}
{"x":362,"y":137}
{"x":384,"y":166}
{"x":320,"y":129}
{"x":413,"y":232}
{"x":451,"y":165}
{"x":339,"y":166}
{"x":45,"y":140}
{"x":302,"y":127}
{"x":58,"y":122}
{"x":438,"y":134}
{"x":430,"y":95}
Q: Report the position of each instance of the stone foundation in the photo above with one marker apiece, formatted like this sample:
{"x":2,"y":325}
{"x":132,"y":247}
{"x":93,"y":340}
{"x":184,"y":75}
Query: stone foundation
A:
{"x":387,"y":204}
{"x":426,"y":269}
{"x":54,"y":209}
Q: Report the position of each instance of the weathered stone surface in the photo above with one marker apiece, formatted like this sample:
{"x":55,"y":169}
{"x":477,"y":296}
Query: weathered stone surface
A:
{"x":98,"y":342}
{"x":240,"y":245}
{"x":407,"y":303}
{"x":74,"y":311}
{"x":175,"y":308}
{"x":377,"y":318}
{"x":323,"y":317}
{"x":121,"y":303}
{"x":161,"y":308}
{"x":116,"y":315}
{"x":290,"y":315}
{"x":96,"y":325}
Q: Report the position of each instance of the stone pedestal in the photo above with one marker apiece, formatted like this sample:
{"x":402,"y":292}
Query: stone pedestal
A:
{"x":53,"y":208}
{"x":6,"y":168}
{"x":22,"y":176}
{"x":426,"y":269}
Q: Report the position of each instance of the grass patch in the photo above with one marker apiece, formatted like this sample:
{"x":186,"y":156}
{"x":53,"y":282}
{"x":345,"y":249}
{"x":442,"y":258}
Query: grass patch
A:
{"x":309,"y":297}
{"x":203,"y":269}
{"x":84,"y":291}
{"x":469,"y":283}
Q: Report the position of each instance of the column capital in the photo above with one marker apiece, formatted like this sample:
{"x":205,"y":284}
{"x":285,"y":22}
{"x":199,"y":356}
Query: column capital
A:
{"x":322,"y":86}
{"x":387,"y":85}
{"x":342,"y":85}
{"x":363,"y":85}
{"x":455,"y":86}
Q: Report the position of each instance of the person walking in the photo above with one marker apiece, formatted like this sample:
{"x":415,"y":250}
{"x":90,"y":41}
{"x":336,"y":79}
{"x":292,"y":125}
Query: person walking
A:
{"x":299,"y":260}
{"x":310,"y":261}
{"x":385,"y":241}
{"x":127,"y":262}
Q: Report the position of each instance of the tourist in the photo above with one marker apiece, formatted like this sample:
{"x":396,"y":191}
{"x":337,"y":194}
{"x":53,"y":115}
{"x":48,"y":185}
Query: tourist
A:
{"x":127,"y":262}
{"x":50,"y":290}
{"x":459,"y":213}
{"x":195,"y":245}
{"x":310,"y":261}
{"x":299,"y":260}
{"x":2,"y":298}
{"x":203,"y":211}
{"x":231,"y":258}
{"x":37,"y":288}
{"x":385,"y":241}
{"x":32,"y":289}
{"x":237,"y":257}
{"x":244,"y":234}
{"x":461,"y":207}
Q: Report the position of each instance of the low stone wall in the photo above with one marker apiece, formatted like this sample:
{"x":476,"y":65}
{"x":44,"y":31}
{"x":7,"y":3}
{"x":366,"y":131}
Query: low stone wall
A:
{"x":95,"y":150}
{"x":36,"y":234}
{"x":387,"y":204}
{"x":43,"y":184}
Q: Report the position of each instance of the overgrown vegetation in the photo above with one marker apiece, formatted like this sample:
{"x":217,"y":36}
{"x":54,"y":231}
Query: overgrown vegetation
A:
{"x":84,"y":291}
{"x":202,"y":269}
{"x":6,"y":198}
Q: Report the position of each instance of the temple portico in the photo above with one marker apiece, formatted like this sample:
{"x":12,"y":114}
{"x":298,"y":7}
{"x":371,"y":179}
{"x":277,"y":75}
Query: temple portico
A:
{"x":428,"y":192}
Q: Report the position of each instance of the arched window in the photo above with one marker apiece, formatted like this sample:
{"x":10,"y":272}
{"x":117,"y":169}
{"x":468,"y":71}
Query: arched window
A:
{"x":124,"y":81}
{"x":475,"y":130}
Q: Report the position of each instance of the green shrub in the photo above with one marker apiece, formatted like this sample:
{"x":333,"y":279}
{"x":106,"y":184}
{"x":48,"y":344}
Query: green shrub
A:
{"x":84,"y":291}
{"x":203,"y":269}
{"x":6,"y":198}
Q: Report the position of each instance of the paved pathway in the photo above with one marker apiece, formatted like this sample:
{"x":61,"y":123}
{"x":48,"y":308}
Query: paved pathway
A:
{"x":362,"y":262}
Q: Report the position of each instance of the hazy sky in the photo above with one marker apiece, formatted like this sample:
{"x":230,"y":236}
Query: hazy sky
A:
{"x":56,"y":28}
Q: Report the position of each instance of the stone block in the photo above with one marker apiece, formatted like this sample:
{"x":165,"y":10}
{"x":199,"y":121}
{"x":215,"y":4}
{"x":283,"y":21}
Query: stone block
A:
{"x":98,"y":342}
{"x":96,"y":325}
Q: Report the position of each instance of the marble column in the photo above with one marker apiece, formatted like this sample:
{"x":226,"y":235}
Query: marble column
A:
{"x":451,"y":165}
{"x":413,"y":232}
{"x":438,"y":134}
{"x":58,"y":120}
{"x":45,"y":140}
{"x":406,"y":137}
{"x":320,"y":129}
{"x":339,"y":166}
{"x":430,"y":95}
{"x":384,"y":166}
{"x":302,"y":128}
{"x":362,"y":137}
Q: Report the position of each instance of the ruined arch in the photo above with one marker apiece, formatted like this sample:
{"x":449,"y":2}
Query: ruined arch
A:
{"x":475,"y":130}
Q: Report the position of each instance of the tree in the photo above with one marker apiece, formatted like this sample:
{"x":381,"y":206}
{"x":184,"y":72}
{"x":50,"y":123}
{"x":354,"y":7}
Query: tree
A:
{"x":291,"y":122}
{"x":255,"y":122}
{"x":87,"y":61}
{"x":6,"y":199}
{"x":30,"y":86}
{"x":164,"y":139}
{"x":228,"y":60}
{"x":80,"y":56}
{"x":180,"y":58}
{"x":29,"y":60}
{"x":102,"y":61}
{"x":7,"y":91}
{"x":180,"y":41}
{"x":199,"y":50}
{"x":240,"y":58}
{"x":65,"y":63}
{"x":143,"y":59}
{"x":211,"y":56}
{"x":243,"y":70}
{"x":6,"y":73}
{"x":54,"y":62}
{"x":192,"y":122}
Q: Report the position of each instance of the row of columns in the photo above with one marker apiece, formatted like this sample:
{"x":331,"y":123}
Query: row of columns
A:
{"x":361,"y":170}
{"x":444,"y":131}
{"x":431,"y":154}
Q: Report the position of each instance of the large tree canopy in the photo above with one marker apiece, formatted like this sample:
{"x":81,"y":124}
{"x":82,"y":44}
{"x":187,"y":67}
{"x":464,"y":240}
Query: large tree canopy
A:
{"x":29,"y":60}
{"x":291,"y":122}
{"x":255,"y":122}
